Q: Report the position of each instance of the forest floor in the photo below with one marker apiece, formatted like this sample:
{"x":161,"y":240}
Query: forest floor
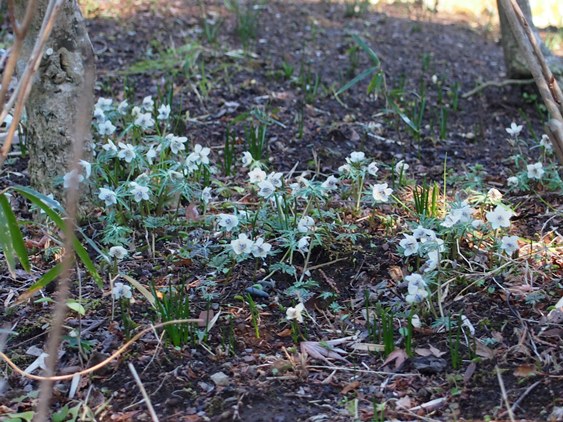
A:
{"x":301,"y":54}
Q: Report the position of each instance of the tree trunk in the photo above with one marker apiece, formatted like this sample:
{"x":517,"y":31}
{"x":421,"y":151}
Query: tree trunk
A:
{"x":63,"y":88}
{"x":516,"y":66}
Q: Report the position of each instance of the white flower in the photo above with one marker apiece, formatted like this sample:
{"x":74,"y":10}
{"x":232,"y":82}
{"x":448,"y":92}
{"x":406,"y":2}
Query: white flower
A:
{"x":108,"y":196}
{"x":104,"y":103}
{"x":109,"y":146}
{"x":476,"y":224}
{"x":434,"y":79}
{"x":514,"y":129}
{"x":545,"y":142}
{"x":87,"y":167}
{"x":121,"y":290}
{"x":295,"y":313}
{"x":433,"y":261}
{"x":372,"y":168}
{"x":148,"y":103}
{"x":305,"y":224}
{"x":415,"y":280}
{"x":122,"y":107}
{"x":512,"y":181}
{"x":106,"y":128}
{"x":227,"y":221}
{"x":303,"y":244}
{"x":416,"y":288}
{"x":256,"y":176}
{"x":275,"y":179}
{"x":127,"y":152}
{"x":260,"y":248}
{"x":200,"y":154}
{"x":136,"y":111}
{"x":242,"y":245}
{"x":499,"y":217}
{"x":424,"y":235}
{"x":247,"y":159}
{"x":356,"y":157}
{"x":206,"y":195}
{"x":266,"y":189}
{"x":100,"y":115}
{"x":450,"y":220}
{"x":118,"y":252}
{"x":509,"y":244}
{"x":381,"y":192}
{"x":144,"y":121}
{"x":72,"y":179}
{"x":151,"y":155}
{"x":401,"y":167}
{"x":415,"y":321}
{"x":330,"y":183}
{"x":163,"y":112}
{"x":535,"y":171}
{"x":177,"y":143}
{"x":345,"y":168}
{"x":139,"y":192}
{"x":494,"y":194}
{"x":409,"y":244}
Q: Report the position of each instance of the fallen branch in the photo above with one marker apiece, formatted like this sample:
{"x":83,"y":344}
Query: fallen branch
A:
{"x":497,"y":84}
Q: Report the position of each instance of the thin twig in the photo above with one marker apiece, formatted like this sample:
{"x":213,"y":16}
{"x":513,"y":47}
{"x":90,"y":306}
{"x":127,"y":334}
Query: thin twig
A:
{"x":498,"y":84}
{"x":504,"y":396}
{"x":143,"y":392}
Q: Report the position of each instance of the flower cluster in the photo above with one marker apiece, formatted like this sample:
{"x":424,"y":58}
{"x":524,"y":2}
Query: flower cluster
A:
{"x":245,"y":246}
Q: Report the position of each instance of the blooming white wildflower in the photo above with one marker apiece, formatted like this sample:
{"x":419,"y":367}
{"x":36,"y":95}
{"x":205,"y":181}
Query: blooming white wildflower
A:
{"x":177,"y":143}
{"x":148,"y":103}
{"x":206,"y":194}
{"x":108,"y":196}
{"x":87,"y":167}
{"x":415,"y":321}
{"x":499,"y":217}
{"x":104,"y":103}
{"x":275,"y":179}
{"x":109,"y":146}
{"x":106,"y":128}
{"x":450,"y":220}
{"x":257,"y":175}
{"x":424,"y":234}
{"x":151,"y":155}
{"x":295,"y":313}
{"x":381,"y":192}
{"x":401,"y":167}
{"x":266,"y":189}
{"x":121,"y":290}
{"x":72,"y":178}
{"x":99,"y":115}
{"x":416,"y":288}
{"x":434,"y":79}
{"x":546,"y":144}
{"x":200,"y":154}
{"x":372,"y":168}
{"x":303,"y":244}
{"x":118,"y":252}
{"x":135,"y":111}
{"x":144,"y":121}
{"x":477,"y":224}
{"x":345,"y":168}
{"x":514,"y":129}
{"x":127,"y":152}
{"x":433,"y":261}
{"x":260,"y":249}
{"x":242,"y":245}
{"x":163,"y":112}
{"x":331,"y":183}
{"x":512,"y":181}
{"x":247,"y":159}
{"x":494,"y":194}
{"x":509,"y":244}
{"x":461,"y":214}
{"x":122,"y":107}
{"x":227,"y":221}
{"x":356,"y":157}
{"x":409,"y":244}
{"x":305,"y":224}
{"x":535,"y":171}
{"x":139,"y":192}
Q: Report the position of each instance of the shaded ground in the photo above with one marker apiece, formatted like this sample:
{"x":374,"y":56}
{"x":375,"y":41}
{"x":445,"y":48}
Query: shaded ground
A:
{"x":302,"y":54}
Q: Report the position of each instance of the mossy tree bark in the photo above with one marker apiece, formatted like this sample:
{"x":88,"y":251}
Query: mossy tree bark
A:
{"x":63,"y":88}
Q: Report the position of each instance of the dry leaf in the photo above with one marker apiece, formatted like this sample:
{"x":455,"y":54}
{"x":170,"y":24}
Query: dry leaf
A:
{"x":396,"y":273}
{"x":404,"y":402}
{"x":469,"y":372}
{"x":284,"y":333}
{"x":397,"y":355}
{"x":431,"y":405}
{"x":350,"y":387}
{"x":369,"y":347}
{"x":484,"y":351}
{"x":528,"y":370}
{"x":192,"y":214}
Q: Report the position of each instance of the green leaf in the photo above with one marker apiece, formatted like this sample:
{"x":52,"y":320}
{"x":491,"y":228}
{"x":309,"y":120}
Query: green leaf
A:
{"x":19,"y":417}
{"x":47,"y":205}
{"x":17,"y":238}
{"x":372,"y":55}
{"x":76,"y":307}
{"x":406,"y":119}
{"x":6,"y":244}
{"x":357,"y":79}
{"x":46,"y":279}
